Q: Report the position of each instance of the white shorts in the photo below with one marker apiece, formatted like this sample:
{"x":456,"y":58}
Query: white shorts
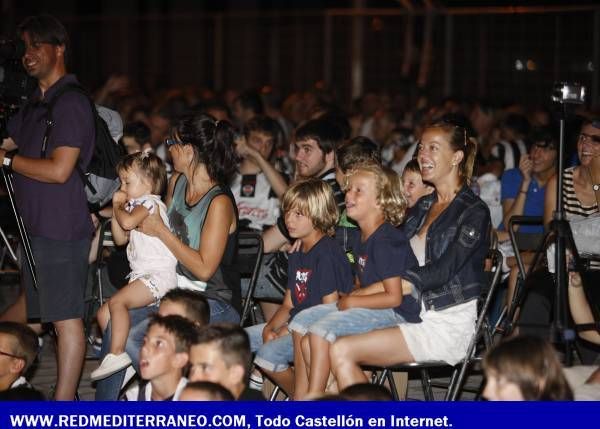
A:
{"x":159,"y":282}
{"x":442,"y":335}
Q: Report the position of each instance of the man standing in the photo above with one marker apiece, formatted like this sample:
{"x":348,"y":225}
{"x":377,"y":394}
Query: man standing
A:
{"x":50,"y":194}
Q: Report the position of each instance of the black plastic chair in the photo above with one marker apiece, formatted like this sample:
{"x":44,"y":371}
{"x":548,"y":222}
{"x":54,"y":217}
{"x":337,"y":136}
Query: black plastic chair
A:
{"x":249,"y":261}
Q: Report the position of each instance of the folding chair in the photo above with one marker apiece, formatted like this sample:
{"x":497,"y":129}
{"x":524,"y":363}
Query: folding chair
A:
{"x":249,"y":260}
{"x":459,"y":371}
{"x":97,"y":295}
{"x":521,"y":242}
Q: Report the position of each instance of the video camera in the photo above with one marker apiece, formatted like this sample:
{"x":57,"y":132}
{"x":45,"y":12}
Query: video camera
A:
{"x":568,"y":93}
{"x":15,"y":84}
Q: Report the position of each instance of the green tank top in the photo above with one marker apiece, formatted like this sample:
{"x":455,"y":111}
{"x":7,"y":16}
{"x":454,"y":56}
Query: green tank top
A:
{"x":187,"y":223}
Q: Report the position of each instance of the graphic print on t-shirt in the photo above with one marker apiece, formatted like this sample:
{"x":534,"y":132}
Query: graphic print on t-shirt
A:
{"x":248,"y":186}
{"x":301,"y":284}
{"x":362,"y":262}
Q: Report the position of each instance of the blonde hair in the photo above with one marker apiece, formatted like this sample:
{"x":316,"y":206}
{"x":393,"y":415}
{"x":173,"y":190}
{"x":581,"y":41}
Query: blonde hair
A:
{"x":313,"y":198}
{"x":389,"y":190}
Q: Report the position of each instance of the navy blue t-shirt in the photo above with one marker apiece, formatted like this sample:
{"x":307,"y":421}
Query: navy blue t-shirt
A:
{"x":385,"y":254}
{"x":321,"y":271}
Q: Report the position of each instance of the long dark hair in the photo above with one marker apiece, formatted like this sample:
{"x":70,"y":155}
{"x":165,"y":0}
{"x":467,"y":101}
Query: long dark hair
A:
{"x":213,"y":143}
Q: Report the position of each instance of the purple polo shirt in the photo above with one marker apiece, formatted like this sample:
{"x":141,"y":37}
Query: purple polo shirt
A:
{"x":52,"y":210}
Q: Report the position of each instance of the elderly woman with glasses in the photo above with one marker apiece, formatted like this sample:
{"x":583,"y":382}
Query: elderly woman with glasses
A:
{"x":202,"y":213}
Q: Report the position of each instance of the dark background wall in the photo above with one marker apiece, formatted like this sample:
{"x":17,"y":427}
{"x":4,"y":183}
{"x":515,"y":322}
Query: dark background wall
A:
{"x":291,"y":45}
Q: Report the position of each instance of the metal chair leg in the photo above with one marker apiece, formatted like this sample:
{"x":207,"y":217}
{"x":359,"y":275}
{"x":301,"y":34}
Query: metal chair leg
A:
{"x":426,"y":383}
{"x":392,"y":383}
{"x":274,"y":393}
{"x":452,"y":386}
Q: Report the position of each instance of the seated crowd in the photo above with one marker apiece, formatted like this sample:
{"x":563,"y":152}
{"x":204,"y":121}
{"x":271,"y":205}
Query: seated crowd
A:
{"x":376,"y":229}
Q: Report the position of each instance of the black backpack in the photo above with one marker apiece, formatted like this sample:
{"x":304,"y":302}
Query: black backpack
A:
{"x":100,"y":179}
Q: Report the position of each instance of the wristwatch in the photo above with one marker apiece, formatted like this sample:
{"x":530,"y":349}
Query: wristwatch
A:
{"x":7,"y":161}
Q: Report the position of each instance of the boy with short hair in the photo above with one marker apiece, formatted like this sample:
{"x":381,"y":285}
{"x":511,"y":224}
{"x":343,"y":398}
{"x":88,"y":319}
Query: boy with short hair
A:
{"x":18,"y":350}
{"x":205,"y":391}
{"x":163,"y":358}
{"x":220,"y":353}
{"x":186,"y":303}
{"x":413,"y":186}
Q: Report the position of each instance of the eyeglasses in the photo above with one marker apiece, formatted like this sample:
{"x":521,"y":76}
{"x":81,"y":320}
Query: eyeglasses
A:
{"x":170,"y":141}
{"x":10,"y":355}
{"x":583,"y":137}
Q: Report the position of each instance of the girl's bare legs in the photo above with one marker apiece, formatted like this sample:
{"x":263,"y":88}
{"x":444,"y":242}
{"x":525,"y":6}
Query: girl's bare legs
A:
{"x":381,"y":347}
{"x":300,"y":373}
{"x":103,"y":316}
{"x":135,"y":295}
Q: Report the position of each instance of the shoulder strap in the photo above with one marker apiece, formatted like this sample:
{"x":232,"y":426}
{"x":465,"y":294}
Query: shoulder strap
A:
{"x":516,"y":153}
{"x":142,"y":391}
{"x":208,"y":198}
{"x":71,"y":87}
{"x":50,"y":105}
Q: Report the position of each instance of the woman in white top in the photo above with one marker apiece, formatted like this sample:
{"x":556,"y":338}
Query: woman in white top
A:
{"x":450,"y":237}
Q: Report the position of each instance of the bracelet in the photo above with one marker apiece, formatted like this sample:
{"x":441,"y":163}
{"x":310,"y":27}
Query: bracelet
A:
{"x":522,"y":191}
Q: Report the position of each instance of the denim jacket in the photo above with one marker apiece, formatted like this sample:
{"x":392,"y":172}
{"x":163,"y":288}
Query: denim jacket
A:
{"x":456,"y":245}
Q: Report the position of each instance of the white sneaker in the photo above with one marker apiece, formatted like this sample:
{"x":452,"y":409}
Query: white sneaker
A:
{"x":110,"y":364}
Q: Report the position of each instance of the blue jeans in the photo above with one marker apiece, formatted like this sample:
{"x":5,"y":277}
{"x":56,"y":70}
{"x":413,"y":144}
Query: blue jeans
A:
{"x":341,"y":323}
{"x":108,"y":389}
{"x":309,"y":316}
{"x":275,"y":355}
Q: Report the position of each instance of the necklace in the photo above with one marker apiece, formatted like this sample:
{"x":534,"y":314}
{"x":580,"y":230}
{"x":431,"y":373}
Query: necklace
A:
{"x":595,"y":187}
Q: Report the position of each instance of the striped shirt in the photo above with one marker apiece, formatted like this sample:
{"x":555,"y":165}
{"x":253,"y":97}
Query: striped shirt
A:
{"x":571,"y":203}
{"x":574,"y":208}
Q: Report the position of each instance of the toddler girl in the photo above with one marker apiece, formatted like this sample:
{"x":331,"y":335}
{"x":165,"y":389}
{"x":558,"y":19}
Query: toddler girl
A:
{"x":143,"y":179}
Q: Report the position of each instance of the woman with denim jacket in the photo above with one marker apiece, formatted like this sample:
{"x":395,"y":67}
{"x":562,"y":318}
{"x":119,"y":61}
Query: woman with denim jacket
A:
{"x":449,"y":234}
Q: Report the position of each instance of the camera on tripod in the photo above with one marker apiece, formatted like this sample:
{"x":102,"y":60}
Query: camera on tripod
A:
{"x":568,"y":93}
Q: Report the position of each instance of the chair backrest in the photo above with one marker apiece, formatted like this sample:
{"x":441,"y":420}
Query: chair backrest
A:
{"x":494,"y":273}
{"x":524,"y":242}
{"x":106,"y":239}
{"x":249,"y":261}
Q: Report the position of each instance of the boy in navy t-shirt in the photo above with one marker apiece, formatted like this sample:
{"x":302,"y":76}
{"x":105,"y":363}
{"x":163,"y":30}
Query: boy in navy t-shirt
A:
{"x":386,"y":254}
{"x":381,"y":255}
{"x":318,"y":271}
